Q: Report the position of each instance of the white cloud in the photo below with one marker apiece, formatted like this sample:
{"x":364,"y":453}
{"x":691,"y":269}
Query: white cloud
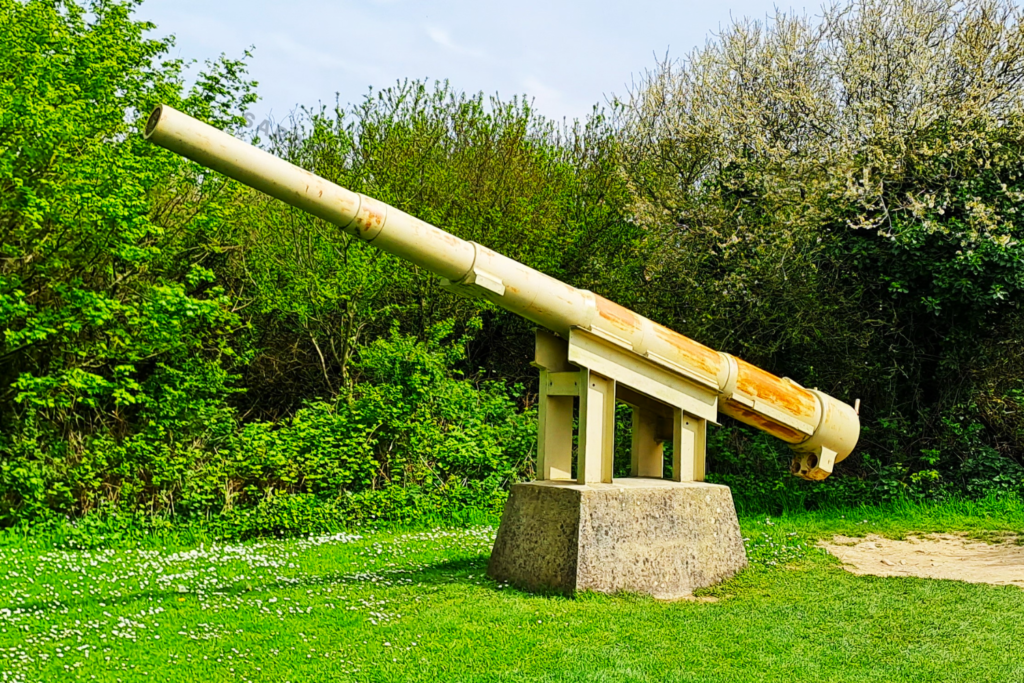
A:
{"x":441,"y":37}
{"x":308,"y":57}
{"x":566,"y":54}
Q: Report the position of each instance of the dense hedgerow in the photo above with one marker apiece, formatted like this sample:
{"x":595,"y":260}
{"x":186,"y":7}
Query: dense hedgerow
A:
{"x":842,"y":196}
{"x":411,"y":436}
{"x":833,"y":198}
{"x":127,"y":344}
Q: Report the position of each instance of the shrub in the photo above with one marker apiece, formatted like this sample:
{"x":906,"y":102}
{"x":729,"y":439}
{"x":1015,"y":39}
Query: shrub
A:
{"x":840,"y":200}
{"x":412,"y":436}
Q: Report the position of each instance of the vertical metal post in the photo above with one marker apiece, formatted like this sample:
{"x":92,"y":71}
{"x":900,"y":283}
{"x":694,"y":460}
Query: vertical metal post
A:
{"x":554,"y":433}
{"x":554,"y":429}
{"x":647,"y":455}
{"x":689,"y":446}
{"x":596,"y":429}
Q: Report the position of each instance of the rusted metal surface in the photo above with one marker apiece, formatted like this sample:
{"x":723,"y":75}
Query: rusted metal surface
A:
{"x":688,"y":352}
{"x":622,"y":320}
{"x":834,"y":439}
{"x":794,"y":399}
{"x":748,"y":416}
{"x":805,"y":466}
{"x":370,"y":218}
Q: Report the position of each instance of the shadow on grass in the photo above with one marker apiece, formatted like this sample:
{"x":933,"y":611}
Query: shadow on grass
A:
{"x":466,"y":571}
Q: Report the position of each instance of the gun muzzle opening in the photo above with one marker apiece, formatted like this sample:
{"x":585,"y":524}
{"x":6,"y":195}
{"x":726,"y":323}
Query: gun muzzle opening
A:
{"x":153,"y":122}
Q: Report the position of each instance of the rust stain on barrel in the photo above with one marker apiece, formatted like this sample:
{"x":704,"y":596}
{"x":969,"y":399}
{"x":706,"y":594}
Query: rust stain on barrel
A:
{"x":754,"y":381}
{"x":735,"y":410}
{"x":619,"y":316}
{"x":446,"y":236}
{"x":372,"y":217}
{"x":693,"y":353}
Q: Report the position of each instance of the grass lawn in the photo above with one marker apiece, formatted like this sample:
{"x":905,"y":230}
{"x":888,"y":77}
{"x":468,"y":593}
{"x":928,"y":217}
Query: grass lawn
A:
{"x":416,"y":606}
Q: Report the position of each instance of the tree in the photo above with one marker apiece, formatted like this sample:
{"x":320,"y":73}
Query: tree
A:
{"x":843,"y":194}
{"x":104,"y":295}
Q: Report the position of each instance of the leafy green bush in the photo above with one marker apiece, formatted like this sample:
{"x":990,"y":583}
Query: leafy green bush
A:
{"x":835,"y":200}
{"x":131,"y":332}
{"x":412,"y":435}
{"x":842,"y":199}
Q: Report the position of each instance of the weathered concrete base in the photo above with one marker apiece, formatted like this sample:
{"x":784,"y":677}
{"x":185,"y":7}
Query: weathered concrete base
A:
{"x":650,"y":536}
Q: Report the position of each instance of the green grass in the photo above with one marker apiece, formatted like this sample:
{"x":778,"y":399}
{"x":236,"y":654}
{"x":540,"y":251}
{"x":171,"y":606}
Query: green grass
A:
{"x":416,"y":606}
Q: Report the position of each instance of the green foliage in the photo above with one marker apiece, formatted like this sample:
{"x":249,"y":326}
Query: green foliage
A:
{"x":491,"y":171}
{"x":412,"y":437}
{"x":101,"y":282}
{"x":842,"y":196}
{"x":834,"y":199}
{"x":137,"y":313}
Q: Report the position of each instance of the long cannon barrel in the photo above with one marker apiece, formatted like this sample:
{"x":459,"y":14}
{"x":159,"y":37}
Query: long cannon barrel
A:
{"x":821,"y":429}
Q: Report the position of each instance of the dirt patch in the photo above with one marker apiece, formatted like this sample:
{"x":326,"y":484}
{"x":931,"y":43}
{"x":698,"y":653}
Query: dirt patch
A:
{"x":936,"y":556}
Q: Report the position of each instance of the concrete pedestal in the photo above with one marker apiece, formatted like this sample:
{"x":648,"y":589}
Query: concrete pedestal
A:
{"x":651,"y":536}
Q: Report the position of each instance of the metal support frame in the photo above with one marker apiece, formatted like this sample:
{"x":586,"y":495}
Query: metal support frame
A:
{"x":568,"y":375}
{"x":559,"y":385}
{"x":596,"y":429}
{"x":689,"y":447}
{"x":647,"y":458}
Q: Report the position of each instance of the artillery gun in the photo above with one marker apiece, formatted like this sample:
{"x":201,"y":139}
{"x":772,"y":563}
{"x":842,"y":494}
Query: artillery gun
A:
{"x":590,"y":351}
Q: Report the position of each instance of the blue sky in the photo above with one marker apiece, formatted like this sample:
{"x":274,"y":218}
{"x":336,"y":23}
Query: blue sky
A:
{"x":566,"y":54}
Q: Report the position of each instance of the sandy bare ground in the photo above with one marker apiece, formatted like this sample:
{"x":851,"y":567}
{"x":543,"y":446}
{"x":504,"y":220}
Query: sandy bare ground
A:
{"x":936,"y":556}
